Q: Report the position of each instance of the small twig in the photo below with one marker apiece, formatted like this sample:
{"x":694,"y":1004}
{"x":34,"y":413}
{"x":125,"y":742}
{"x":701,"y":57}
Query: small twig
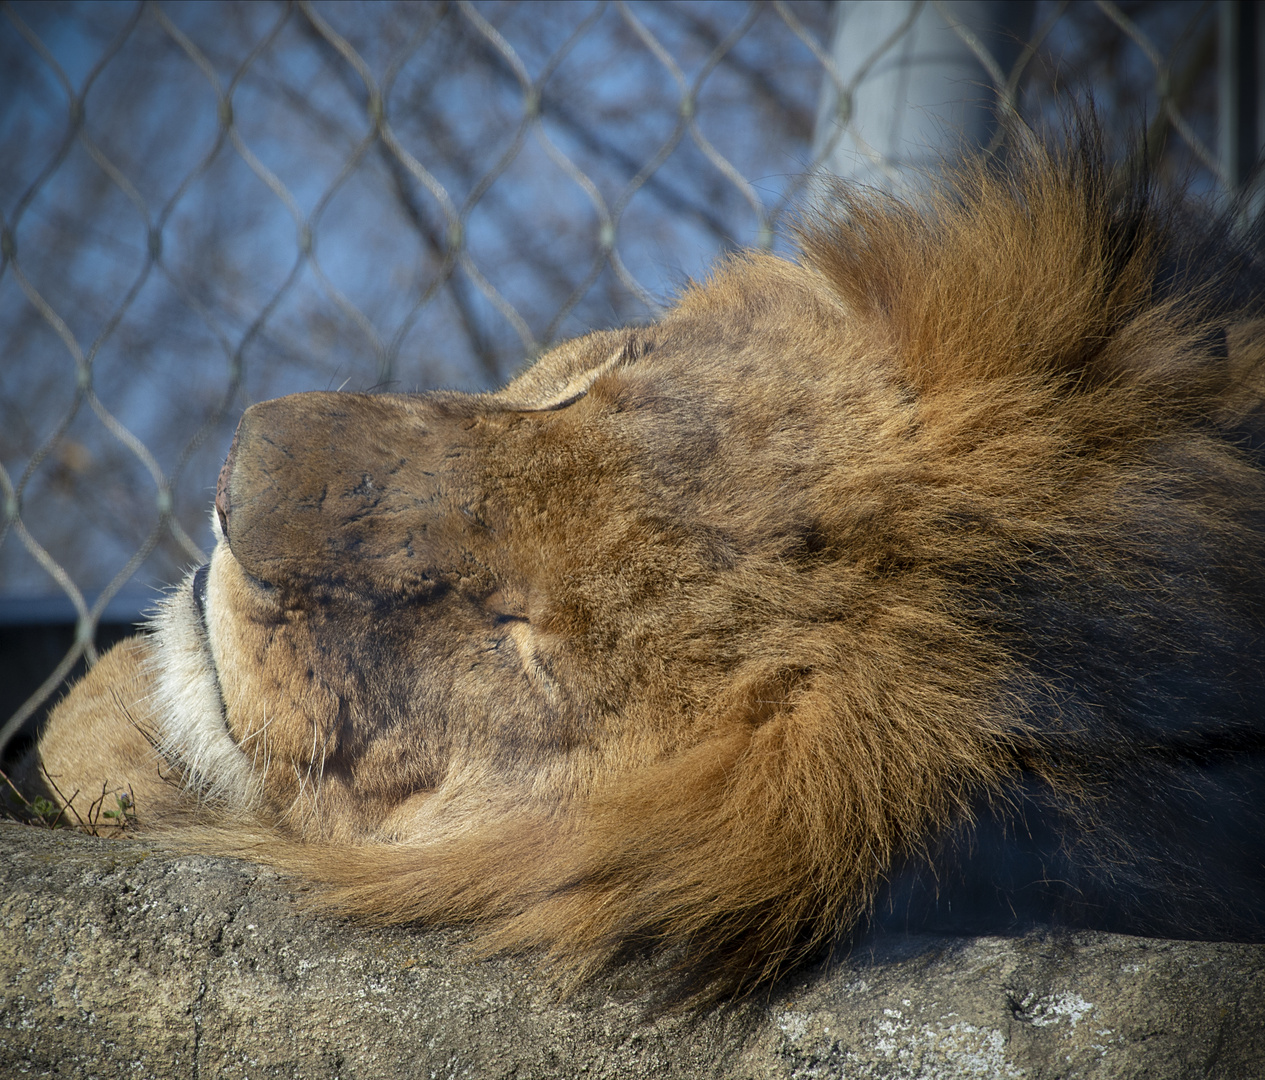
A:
{"x":20,"y":797}
{"x":33,"y":807}
{"x":67,"y":804}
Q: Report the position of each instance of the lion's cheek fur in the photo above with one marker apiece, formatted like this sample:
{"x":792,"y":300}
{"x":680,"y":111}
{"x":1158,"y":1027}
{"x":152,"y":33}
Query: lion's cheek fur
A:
{"x":302,"y":702}
{"x":363,"y":722}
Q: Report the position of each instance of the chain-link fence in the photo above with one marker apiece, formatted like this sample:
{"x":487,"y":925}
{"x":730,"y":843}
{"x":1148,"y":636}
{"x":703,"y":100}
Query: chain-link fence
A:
{"x":203,"y":206}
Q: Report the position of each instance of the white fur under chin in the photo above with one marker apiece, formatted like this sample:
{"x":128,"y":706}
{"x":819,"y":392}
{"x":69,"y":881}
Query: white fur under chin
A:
{"x":189,"y":710}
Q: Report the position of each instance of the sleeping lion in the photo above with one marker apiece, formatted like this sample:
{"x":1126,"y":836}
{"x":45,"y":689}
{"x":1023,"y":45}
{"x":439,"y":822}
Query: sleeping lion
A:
{"x":917,"y":582}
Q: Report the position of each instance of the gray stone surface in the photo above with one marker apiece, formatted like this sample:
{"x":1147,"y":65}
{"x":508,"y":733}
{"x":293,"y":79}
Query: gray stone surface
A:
{"x":119,"y":959}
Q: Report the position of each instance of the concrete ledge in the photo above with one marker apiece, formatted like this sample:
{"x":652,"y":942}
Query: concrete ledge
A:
{"x":118,"y":959}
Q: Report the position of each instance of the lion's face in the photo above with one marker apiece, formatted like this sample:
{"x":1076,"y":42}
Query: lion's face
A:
{"x":423,"y":605}
{"x":694,"y":632}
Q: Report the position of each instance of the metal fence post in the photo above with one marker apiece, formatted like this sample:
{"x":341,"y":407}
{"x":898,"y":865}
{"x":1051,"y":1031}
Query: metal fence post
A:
{"x":1240,"y":92}
{"x":919,"y":79}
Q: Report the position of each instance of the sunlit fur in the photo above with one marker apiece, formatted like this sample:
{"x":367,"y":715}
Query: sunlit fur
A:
{"x":695,"y":633}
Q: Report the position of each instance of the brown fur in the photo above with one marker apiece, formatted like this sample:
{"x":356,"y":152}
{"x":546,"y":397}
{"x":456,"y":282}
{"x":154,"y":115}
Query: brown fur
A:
{"x":694,"y":632}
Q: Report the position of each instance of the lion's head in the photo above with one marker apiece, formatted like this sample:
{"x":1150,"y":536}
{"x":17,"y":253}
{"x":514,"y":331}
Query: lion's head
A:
{"x":694,"y":631}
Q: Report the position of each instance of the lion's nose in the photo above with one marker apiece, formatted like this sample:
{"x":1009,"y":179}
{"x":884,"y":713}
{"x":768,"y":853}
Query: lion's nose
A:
{"x":345,"y":488}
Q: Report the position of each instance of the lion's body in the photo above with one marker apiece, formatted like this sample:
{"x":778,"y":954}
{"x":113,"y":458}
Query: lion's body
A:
{"x":696,"y":633}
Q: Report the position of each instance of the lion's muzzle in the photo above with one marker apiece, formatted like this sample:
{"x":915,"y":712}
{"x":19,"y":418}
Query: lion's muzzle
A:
{"x":360,"y":491}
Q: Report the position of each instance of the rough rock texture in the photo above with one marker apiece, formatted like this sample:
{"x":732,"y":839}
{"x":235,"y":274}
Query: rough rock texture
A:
{"x":119,"y":959}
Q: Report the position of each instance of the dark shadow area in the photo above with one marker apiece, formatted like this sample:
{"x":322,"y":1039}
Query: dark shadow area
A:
{"x":29,"y":652}
{"x":1166,"y":851}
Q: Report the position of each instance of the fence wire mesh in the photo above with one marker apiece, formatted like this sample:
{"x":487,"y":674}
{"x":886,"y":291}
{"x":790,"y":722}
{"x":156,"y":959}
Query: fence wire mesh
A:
{"x":203,"y":206}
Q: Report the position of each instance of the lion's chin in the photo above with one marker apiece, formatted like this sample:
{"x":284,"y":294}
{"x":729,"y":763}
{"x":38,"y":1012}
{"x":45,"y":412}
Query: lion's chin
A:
{"x":193,"y":732}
